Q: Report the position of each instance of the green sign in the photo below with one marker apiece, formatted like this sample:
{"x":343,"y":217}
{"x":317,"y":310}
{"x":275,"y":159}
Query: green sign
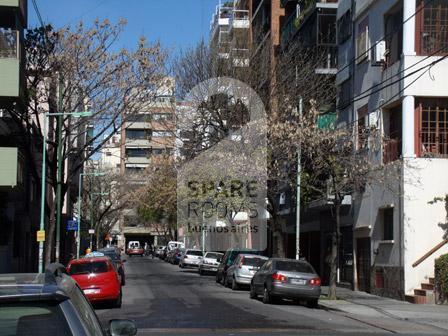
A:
{"x":8,"y":166}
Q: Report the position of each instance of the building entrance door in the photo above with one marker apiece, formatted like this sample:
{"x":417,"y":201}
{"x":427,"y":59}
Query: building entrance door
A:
{"x":363,"y":263}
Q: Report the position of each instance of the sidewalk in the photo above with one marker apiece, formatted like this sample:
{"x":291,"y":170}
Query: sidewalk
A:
{"x":361,"y":304}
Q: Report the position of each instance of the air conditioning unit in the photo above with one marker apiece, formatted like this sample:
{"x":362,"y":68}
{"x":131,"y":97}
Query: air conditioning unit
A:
{"x":379,"y":53}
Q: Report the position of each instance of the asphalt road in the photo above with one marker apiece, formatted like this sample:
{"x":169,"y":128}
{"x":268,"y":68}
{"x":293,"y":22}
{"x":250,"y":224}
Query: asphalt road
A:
{"x":166,"y":300}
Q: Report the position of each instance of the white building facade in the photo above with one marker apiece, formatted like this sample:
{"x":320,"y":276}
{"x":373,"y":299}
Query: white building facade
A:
{"x":391,"y":79}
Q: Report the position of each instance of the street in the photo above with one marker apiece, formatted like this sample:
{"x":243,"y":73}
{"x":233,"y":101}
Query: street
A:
{"x":166,"y":300}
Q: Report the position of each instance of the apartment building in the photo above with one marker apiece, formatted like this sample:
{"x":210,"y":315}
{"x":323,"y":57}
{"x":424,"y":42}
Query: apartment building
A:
{"x":391,"y":79}
{"x":19,"y":206}
{"x":145,"y":137}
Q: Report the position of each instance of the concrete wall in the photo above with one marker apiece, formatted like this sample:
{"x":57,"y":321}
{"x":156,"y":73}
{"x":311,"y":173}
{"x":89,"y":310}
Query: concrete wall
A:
{"x":424,"y":180}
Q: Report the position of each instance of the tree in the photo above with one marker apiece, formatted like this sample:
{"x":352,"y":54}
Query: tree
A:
{"x":74,"y":69}
{"x":102,"y":201}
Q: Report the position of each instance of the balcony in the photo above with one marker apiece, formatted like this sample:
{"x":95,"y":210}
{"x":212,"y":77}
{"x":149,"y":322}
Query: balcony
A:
{"x":10,"y":74}
{"x":15,"y":7}
{"x":240,"y":19}
{"x":221,"y":19}
{"x":240,"y":57}
{"x":327,"y":60}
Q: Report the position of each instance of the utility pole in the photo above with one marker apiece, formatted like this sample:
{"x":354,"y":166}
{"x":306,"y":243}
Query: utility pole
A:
{"x":299,"y":172}
{"x":59,"y":169}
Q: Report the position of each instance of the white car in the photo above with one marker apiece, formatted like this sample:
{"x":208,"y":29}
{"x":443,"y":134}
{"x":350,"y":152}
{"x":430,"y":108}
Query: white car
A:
{"x":190,"y":258}
{"x":210,"y":262}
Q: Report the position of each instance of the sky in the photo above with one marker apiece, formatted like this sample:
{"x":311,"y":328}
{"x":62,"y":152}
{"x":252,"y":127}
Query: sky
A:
{"x":178,"y":24}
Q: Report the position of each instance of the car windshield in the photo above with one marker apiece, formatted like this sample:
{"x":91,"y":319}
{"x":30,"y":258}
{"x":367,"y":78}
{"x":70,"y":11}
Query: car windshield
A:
{"x":112,"y":255}
{"x":33,"y":318}
{"x":90,"y":267}
{"x":213,"y":255}
{"x":194,"y":253}
{"x":293,"y":266}
{"x":253,"y":261}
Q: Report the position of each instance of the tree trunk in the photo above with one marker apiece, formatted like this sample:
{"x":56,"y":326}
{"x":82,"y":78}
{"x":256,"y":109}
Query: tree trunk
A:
{"x":334,"y":253}
{"x":49,"y":236}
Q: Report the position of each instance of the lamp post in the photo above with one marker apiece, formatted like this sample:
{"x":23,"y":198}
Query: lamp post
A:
{"x":78,"y":236}
{"x":43,"y":185}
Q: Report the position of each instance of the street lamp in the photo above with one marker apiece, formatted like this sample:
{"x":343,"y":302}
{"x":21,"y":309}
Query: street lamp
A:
{"x":43,"y":187}
{"x":78,"y":237}
{"x":91,"y":214}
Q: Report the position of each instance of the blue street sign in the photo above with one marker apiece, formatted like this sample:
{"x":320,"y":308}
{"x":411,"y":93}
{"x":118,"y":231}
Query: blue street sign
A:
{"x":72,"y":225}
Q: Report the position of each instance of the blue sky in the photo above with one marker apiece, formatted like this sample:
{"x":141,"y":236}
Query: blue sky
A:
{"x":176,"y":23}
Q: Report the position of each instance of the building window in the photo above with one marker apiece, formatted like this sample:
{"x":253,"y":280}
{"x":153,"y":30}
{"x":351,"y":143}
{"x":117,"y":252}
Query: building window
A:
{"x":159,"y":134}
{"x":433,"y":124}
{"x":387,"y":215}
{"x":345,"y":94}
{"x":432,"y":27}
{"x":362,"y":127}
{"x":138,"y":134}
{"x":345,"y":27}
{"x":394,"y":35}
{"x":392,"y":134}
{"x":138,"y":152}
{"x":140,"y":117}
{"x":362,"y":40}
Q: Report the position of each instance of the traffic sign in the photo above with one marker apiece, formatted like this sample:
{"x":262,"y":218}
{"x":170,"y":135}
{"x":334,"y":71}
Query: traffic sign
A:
{"x":40,"y":236}
{"x":91,"y":231}
{"x":72,"y":225}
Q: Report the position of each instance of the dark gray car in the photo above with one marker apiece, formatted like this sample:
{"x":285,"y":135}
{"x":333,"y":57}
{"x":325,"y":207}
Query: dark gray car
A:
{"x":50,"y":304}
{"x":286,"y":279}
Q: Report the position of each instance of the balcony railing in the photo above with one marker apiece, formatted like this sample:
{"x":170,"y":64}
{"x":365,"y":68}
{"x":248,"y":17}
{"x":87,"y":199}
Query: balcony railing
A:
{"x":9,"y":43}
{"x":327,"y":59}
{"x":240,"y":19}
{"x":240,"y":57}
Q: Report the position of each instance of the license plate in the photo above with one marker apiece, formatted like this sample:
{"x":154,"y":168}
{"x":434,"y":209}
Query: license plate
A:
{"x":90,"y":291}
{"x":298,"y":281}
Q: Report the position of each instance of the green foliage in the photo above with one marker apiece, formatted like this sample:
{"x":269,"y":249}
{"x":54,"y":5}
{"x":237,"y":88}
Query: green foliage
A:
{"x":441,"y":271}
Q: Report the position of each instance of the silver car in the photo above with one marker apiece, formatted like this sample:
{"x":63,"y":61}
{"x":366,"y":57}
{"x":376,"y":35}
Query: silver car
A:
{"x":243,"y":269}
{"x":210,"y":262}
{"x":286,"y":278}
{"x":190,"y":258}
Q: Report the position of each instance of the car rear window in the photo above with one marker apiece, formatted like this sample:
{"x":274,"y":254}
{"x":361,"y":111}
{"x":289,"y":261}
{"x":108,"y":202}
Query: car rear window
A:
{"x":195,"y":253}
{"x":293,"y":266}
{"x":91,"y":267}
{"x":37,"y":319}
{"x":212,"y":255}
{"x":253,"y":261}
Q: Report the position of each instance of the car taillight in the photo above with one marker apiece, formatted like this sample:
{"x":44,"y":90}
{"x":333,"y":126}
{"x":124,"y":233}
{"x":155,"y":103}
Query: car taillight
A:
{"x":278,"y":277}
{"x":315,"y":282}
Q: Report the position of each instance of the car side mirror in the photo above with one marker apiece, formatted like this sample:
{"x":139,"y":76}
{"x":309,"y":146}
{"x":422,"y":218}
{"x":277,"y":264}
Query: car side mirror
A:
{"x":118,"y":327}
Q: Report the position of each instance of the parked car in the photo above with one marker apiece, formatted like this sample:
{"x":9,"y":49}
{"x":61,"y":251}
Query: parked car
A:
{"x":190,"y":258}
{"x":174,"y":244}
{"x":111,"y":252}
{"x":50,"y":304}
{"x":159,"y":250}
{"x":162,"y":255}
{"x":286,"y":278}
{"x":209,"y":263}
{"x":134,"y":248}
{"x":228,"y":259}
{"x":98,"y":278}
{"x":243,"y":269}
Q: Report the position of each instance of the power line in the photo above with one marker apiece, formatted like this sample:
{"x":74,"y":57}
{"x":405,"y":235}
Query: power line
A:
{"x":356,"y":58}
{"x":39,"y":17}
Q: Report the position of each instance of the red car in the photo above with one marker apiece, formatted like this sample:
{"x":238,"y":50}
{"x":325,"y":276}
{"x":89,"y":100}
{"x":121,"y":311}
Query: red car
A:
{"x":98,"y":279}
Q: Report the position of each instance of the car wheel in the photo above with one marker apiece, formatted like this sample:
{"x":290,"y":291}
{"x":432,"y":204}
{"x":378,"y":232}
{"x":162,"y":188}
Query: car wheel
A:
{"x":201,"y":272}
{"x":118,"y":302}
{"x":217,"y":279}
{"x":252,"y":293}
{"x":267,"y":298}
{"x":123,"y":279}
{"x":234,"y":284}
{"x":312,"y":303}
